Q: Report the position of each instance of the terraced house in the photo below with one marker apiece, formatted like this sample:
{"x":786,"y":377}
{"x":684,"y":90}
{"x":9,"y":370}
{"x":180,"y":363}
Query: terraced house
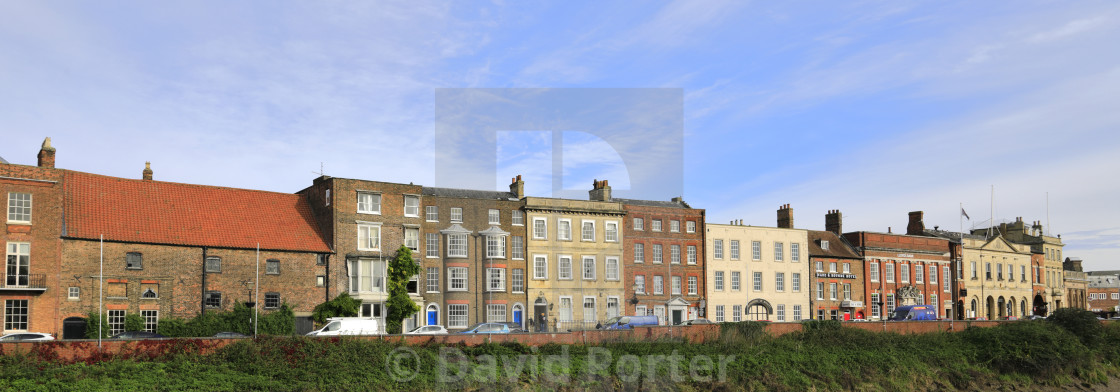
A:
{"x":836,"y":275}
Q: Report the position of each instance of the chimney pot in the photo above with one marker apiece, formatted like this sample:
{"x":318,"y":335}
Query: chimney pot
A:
{"x":147,"y":171}
{"x":46,"y":154}
{"x":785,"y":217}
{"x":600,"y":192}
{"x":517,"y":188}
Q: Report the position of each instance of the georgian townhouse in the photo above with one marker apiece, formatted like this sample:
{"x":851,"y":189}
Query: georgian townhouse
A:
{"x":365,"y":222}
{"x":836,"y":274}
{"x":473,"y":257}
{"x":664,"y":259}
{"x":575,"y":257}
{"x":758,"y":273}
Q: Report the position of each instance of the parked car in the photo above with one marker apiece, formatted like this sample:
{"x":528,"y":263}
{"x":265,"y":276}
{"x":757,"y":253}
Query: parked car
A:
{"x":428,"y":330}
{"x":230,"y":335}
{"x":1035,"y":317}
{"x":137,"y":335}
{"x":698,"y":321}
{"x":26,"y":336}
{"x":627,"y":322}
{"x":337,"y":326}
{"x":488,"y":328}
{"x":514,"y":327}
{"x":914,"y":313}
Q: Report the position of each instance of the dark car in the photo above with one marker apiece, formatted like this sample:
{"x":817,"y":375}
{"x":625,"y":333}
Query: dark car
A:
{"x":137,"y":335}
{"x":230,"y":335}
{"x":488,"y":328}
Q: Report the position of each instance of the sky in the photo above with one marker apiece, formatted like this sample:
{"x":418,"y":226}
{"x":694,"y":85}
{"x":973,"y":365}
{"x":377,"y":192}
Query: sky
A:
{"x":873,"y":108}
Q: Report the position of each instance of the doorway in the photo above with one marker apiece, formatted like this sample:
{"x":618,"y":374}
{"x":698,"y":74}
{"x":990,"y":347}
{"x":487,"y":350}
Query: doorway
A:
{"x":74,"y":328}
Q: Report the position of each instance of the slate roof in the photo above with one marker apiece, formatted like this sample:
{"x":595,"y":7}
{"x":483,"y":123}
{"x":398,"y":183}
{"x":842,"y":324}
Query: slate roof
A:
{"x":158,"y":212}
{"x":468,"y":193}
{"x":653,"y":203}
{"x":837,"y":247}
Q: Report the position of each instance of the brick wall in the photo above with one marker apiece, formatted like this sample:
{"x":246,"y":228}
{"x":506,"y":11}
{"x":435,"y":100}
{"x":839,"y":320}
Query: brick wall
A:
{"x":667,"y":239}
{"x":41,"y":236}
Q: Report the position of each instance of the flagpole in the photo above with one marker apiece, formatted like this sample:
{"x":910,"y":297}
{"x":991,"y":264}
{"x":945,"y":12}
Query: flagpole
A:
{"x":257,"y":291}
{"x":101,"y":293}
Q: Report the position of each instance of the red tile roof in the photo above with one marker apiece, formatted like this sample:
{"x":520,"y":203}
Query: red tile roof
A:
{"x":159,"y":212}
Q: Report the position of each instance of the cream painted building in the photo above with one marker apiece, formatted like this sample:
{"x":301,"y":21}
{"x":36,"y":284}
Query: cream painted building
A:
{"x":757,"y":273}
{"x":997,"y":278}
{"x":575,"y":258}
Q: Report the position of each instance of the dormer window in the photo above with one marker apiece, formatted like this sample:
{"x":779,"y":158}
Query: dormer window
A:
{"x":824,"y":244}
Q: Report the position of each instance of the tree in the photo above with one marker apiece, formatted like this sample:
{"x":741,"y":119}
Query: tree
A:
{"x":401,"y":270}
{"x":341,"y":306}
{"x":93,"y":320}
{"x":133,"y":322}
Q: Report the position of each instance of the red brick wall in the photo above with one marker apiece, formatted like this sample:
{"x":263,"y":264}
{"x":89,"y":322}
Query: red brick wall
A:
{"x":42,"y":235}
{"x":666,"y":238}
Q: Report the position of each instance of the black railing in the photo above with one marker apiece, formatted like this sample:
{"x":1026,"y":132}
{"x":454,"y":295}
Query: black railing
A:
{"x":24,"y":281}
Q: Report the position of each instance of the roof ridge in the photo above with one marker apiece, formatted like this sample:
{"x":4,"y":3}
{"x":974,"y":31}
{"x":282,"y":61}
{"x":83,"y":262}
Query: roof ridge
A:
{"x":142,"y":181}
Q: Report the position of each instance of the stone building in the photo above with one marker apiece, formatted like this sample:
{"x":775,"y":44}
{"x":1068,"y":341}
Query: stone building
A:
{"x":836,"y":274}
{"x":1049,"y":247}
{"x":1076,"y":284}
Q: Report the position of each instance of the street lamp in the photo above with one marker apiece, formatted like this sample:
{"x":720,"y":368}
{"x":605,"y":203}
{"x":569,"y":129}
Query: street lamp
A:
{"x":634,"y":301}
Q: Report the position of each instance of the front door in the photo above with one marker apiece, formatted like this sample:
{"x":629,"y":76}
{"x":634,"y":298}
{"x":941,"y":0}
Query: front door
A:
{"x":677,"y":316}
{"x":517,"y":316}
{"x":433,"y":317}
{"x":539,"y":310}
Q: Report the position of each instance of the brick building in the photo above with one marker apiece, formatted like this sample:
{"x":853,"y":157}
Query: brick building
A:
{"x":664,"y":259}
{"x":836,"y":275}
{"x":1104,"y":293}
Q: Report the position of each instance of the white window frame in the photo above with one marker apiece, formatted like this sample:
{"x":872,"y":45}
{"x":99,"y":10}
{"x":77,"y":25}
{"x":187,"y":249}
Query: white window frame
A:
{"x":540,"y":231}
{"x":779,"y":251}
{"x":674,"y":226}
{"x":718,"y":279}
{"x":457,"y":276}
{"x":457,"y":246}
{"x":675,"y":254}
{"x":564,"y":268}
{"x":495,"y":247}
{"x":431,"y":245}
{"x":795,"y":282}
{"x":780,"y":311}
{"x":517,"y":218}
{"x":540,"y":267}
{"x":517,"y":246}
{"x":794,"y":252}
{"x":888,"y":270}
{"x":820,"y":291}
{"x":639,"y":253}
{"x":658,"y":254}
{"x":676,"y":285}
{"x":639,"y":224}
{"x":658,"y":285}
{"x":610,"y":231}
{"x":584,"y":270}
{"x":832,"y":291}
{"x":757,"y":281}
{"x":372,"y":206}
{"x":456,"y":214}
{"x":432,"y":281}
{"x":717,"y":249}
{"x":74,"y":292}
{"x":518,"y":280}
{"x":563,"y":234}
{"x":693,"y":285}
{"x":584,"y":234}
{"x":494,"y":216}
{"x":796,"y":313}
{"x":640,"y":281}
{"x":412,"y":206}
{"x":690,"y":226}
{"x":691,"y":254}
{"x":18,"y":206}
{"x":566,"y":313}
{"x":737,"y":313}
{"x":756,"y":250}
{"x":736,"y":281}
{"x":780,"y":282}
{"x":457,"y":315}
{"x":655,"y":225}
{"x":431,"y":213}
{"x":719,"y":313}
{"x":496,"y":313}
{"x":372,"y":233}
{"x":613,"y":309}
{"x":874,"y":271}
{"x":495,"y":279}
{"x":613,"y":269}
{"x":594,"y":314}
{"x":412,"y":238}
{"x":151,"y":320}
{"x":114,"y":320}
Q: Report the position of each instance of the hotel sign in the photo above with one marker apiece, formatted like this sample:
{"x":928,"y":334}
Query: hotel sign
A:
{"x":906,"y":255}
{"x":835,"y":276}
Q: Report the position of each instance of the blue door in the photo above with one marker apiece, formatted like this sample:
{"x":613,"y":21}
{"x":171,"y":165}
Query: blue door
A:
{"x":433,"y":317}
{"x":517,"y":316}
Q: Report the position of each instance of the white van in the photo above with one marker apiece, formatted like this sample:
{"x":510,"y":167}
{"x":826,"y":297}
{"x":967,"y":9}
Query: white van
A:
{"x":337,"y":326}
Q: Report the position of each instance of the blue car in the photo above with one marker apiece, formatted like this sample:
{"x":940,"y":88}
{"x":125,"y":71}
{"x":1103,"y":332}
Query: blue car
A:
{"x":914,"y":313}
{"x":488,"y":328}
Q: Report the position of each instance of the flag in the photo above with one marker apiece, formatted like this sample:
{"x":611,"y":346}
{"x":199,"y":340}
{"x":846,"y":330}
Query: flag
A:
{"x":965,"y":214}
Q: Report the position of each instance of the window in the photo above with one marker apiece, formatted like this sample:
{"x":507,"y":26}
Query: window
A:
{"x":518,"y":280}
{"x":271,"y":300}
{"x":988,"y":271}
{"x":874,"y":272}
{"x":431,"y":213}
{"x":1023,"y":272}
{"x":933,"y":301}
{"x":213,"y":299}
{"x":15,"y":314}
{"x":999,"y":271}
{"x":116,"y":322}
{"x":134,"y":260}
{"x":717,"y":249}
{"x":433,"y":280}
{"x":795,"y":282}
{"x":540,"y":267}
{"x":675,"y":226}
{"x":734,"y":280}
{"x":19,"y":207}
{"x":657,"y":254}
{"x":494,"y":217}
{"x":734,"y":249}
{"x":639,"y":253}
{"x":1010,"y":272}
{"x":564,"y":230}
{"x":692,"y":254}
{"x":847,"y":268}
{"x":457,"y":279}
{"x":820,"y":290}
{"x":780,"y":281}
{"x":796,"y":312}
{"x":564,"y":268}
{"x":692,"y":283}
{"x":411,"y":206}
{"x":832,"y":267}
{"x":658,"y":285}
{"x":719,"y":313}
{"x":832,"y":291}
{"x":431,"y":244}
{"x":412,"y":238}
{"x":890,"y":303}
{"x":974,"y":270}
{"x":905,"y":271}
{"x":456,"y":245}
{"x":638,"y":224}
{"x":369,"y":203}
{"x":737,"y":313}
{"x":847,"y":291}
{"x":919,"y":274}
{"x":565,"y":308}
{"x":824,"y":244}
{"x":369,"y":237}
{"x":413,"y":285}
{"x":517,"y":218}
{"x":757,"y":281}
{"x":640,"y":281}
{"x":676,"y":285}
{"x":820,"y":266}
{"x":781,"y":312}
{"x":213,"y":264}
{"x":74,"y":293}
{"x":612,"y":307}
{"x":888,"y":268}
{"x":690,"y":226}
{"x":589,"y":309}
{"x":795,"y":252}
{"x":778,"y":248}
{"x":149,"y":290}
{"x":612,"y":268}
{"x":327,"y":197}
{"x":320,"y":259}
{"x":518,"y":247}
{"x":718,"y":281}
{"x":457,"y":315}
{"x":320,"y":281}
{"x":496,"y":278}
{"x":495,"y":313}
{"x":875,"y":311}
{"x":151,"y":320}
{"x":588,"y":268}
{"x":367,"y":276}
{"x":756,"y":250}
{"x":272,"y":267}
{"x":675,"y":254}
{"x":588,"y":231}
{"x":611,"y":232}
{"x":495,"y":247}
{"x":656,"y":223}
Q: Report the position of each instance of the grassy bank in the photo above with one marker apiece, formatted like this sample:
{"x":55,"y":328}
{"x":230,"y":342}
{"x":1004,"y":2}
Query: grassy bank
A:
{"x":823,"y":357}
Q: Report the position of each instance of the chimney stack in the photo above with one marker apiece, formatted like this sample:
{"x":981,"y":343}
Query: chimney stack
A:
{"x":785,"y":217}
{"x":147,"y":171}
{"x":517,"y":187}
{"x":600,"y":191}
{"x":46,"y":154}
{"x":834,"y":222}
{"x":916,"y":225}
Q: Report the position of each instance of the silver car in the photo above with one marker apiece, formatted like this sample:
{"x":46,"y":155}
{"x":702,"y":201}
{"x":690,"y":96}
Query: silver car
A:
{"x":26,"y":336}
{"x":428,"y":330}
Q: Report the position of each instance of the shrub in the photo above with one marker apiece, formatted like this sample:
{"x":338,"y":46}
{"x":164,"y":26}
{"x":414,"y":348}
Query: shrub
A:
{"x":133,"y":322}
{"x":94,"y":323}
{"x":341,"y":306}
{"x":1036,"y":349}
{"x":1081,"y":323}
{"x":240,"y":319}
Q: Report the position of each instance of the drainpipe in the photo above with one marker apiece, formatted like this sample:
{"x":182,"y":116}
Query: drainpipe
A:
{"x":203,"y":281}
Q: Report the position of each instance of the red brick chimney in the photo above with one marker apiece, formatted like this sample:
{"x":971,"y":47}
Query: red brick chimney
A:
{"x":147,"y":171}
{"x":46,"y":154}
{"x":600,"y":191}
{"x":785,"y":217}
{"x":834,"y":222}
{"x":517,"y":187}
{"x":916,"y":225}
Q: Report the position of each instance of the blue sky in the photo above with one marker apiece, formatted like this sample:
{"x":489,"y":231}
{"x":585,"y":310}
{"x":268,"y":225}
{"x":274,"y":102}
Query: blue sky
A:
{"x":873,"y":108}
